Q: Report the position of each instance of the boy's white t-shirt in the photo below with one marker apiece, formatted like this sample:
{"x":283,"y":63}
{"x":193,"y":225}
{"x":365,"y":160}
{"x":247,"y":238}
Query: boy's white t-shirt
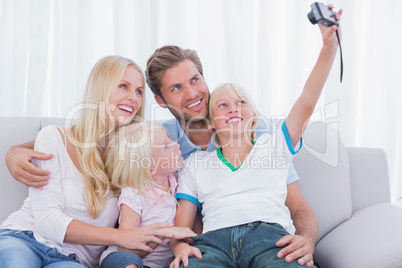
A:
{"x":255,"y":191}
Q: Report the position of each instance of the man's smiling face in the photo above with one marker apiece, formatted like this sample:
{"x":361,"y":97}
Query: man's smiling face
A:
{"x":184,"y":92}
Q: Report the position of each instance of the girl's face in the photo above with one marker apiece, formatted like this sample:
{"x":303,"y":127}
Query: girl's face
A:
{"x":166,"y":155}
{"x":231,"y":115}
{"x":126,"y":100}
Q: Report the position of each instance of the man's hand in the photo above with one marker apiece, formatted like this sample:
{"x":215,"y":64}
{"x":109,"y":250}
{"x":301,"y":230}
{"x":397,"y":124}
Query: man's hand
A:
{"x":298,"y":248}
{"x":18,"y":161}
{"x":182,"y":252}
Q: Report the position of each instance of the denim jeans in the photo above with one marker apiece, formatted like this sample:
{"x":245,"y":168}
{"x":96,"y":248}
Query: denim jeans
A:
{"x":121,"y":259}
{"x":20,"y":249}
{"x":247,"y":245}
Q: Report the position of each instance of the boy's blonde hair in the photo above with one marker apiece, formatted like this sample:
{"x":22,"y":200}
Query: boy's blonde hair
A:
{"x":234,"y":91}
{"x":95,"y":123}
{"x":129,"y":159}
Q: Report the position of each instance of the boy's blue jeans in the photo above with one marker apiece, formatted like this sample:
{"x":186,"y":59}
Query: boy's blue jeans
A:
{"x":247,"y":245}
{"x":20,"y":249}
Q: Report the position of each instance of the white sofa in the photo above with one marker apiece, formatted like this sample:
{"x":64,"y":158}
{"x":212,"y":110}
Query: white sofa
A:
{"x":348,"y":189}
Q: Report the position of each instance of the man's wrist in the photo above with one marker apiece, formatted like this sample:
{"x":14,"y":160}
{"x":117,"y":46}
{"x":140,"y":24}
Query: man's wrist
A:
{"x":310,"y":241}
{"x":8,"y":156}
{"x":13,"y":148}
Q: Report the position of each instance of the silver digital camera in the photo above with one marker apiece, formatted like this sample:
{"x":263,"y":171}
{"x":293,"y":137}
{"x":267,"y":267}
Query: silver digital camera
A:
{"x":322,"y":14}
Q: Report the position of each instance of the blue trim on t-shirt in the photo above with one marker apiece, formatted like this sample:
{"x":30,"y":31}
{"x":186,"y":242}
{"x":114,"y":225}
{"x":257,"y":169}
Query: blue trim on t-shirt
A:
{"x":288,"y":141}
{"x":190,"y":198}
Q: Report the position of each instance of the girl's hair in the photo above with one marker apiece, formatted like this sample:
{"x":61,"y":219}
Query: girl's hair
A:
{"x":234,"y":91}
{"x":95,"y":123}
{"x":129,"y":157}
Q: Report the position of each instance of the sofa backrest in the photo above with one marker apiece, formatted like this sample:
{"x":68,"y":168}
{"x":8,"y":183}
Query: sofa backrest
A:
{"x":17,"y":130}
{"x":322,"y":164}
{"x":58,"y":121}
{"x":14,"y":131}
{"x":323,"y":168}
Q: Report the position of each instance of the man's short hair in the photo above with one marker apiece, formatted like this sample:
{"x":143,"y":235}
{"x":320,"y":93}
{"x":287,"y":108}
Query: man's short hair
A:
{"x":165,"y":58}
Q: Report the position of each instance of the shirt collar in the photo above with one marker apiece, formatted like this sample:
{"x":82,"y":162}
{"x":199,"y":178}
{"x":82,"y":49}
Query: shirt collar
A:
{"x":187,"y":147}
{"x":156,"y":193}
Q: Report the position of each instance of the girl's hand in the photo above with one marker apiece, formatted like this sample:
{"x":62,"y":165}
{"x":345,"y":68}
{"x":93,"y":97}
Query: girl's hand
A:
{"x":137,"y":238}
{"x":180,"y":232}
{"x":328,"y":33}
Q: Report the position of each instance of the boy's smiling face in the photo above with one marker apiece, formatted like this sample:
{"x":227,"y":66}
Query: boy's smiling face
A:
{"x":232,"y":114}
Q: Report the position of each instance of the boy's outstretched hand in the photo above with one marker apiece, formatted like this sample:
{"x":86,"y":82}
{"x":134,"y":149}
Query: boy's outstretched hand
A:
{"x":328,"y":33}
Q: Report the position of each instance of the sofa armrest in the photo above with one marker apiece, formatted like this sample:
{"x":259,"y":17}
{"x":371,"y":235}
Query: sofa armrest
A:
{"x":370,"y":239}
{"x":369,"y":177}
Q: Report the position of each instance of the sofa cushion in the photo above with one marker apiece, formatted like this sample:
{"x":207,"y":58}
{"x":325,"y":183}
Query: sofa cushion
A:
{"x":323,"y":168}
{"x":369,"y":177}
{"x":351,"y":244}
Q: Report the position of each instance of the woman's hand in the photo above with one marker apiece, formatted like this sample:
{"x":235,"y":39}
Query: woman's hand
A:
{"x":138,"y":238}
{"x":180,"y":232}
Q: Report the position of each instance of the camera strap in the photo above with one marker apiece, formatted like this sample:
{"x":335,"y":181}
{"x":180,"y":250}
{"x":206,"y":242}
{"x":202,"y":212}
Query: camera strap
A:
{"x":340,"y":51}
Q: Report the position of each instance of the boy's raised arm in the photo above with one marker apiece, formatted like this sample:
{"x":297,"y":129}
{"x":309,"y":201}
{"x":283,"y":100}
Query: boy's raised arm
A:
{"x":305,"y":104}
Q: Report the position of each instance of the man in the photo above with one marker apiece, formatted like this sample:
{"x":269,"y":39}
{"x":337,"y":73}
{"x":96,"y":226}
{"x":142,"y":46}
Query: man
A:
{"x":175,"y":76}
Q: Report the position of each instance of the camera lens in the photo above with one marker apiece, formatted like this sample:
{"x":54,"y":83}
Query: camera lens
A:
{"x":311,"y":17}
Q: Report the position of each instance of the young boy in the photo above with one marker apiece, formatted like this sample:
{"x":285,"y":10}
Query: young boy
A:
{"x":243,"y":200}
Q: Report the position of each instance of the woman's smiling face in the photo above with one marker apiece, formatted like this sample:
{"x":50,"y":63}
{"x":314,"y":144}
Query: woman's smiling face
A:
{"x":127,"y":99}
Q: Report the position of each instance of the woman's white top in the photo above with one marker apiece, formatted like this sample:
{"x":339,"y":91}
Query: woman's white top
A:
{"x":48,"y":212}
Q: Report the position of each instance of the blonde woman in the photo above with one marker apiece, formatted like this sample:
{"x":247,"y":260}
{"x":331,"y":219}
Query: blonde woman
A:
{"x":70,"y":221}
{"x":142,"y":161}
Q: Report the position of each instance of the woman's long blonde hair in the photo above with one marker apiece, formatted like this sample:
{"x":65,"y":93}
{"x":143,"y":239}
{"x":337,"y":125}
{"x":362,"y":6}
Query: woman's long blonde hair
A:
{"x":129,"y":153}
{"x":95,"y":124}
{"x":234,"y":91}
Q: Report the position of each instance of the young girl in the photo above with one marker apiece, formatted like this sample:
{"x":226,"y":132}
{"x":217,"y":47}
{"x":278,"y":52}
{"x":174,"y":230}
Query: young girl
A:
{"x":70,"y":222}
{"x":241,"y":186}
{"x":141,"y":161}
